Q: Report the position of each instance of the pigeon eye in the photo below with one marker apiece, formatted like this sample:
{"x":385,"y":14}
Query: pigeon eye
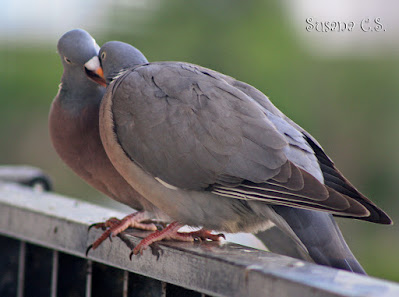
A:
{"x":103,"y":55}
{"x":67,"y":60}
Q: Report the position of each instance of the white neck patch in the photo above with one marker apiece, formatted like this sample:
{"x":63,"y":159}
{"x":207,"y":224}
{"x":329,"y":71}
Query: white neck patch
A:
{"x":120,"y":73}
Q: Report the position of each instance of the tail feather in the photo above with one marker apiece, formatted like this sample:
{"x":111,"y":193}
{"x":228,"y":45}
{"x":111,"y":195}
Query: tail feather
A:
{"x":321,"y":236}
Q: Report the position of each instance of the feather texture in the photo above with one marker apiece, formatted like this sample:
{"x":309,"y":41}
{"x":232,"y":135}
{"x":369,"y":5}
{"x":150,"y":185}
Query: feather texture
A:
{"x":196,"y":129}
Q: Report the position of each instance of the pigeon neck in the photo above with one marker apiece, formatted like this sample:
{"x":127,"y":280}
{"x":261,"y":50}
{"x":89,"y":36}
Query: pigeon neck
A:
{"x":77,"y":91}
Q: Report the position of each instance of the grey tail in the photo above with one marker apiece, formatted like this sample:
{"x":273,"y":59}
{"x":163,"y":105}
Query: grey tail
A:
{"x":320,"y":234}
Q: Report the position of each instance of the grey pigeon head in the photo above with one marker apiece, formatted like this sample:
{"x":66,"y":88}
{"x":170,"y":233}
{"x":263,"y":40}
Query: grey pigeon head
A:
{"x":115,"y":56}
{"x":79,"y":51}
{"x":76,"y":47}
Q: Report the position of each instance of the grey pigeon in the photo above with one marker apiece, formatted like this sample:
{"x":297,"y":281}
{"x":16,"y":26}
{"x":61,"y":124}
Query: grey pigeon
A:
{"x":74,"y":129}
{"x":212,"y":151}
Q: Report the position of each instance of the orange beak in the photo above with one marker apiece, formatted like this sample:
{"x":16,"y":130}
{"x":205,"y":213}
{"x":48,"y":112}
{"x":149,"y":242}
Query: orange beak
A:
{"x":100,"y":73}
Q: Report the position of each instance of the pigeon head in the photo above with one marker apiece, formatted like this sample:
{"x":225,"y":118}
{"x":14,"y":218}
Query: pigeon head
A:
{"x":116,"y":56}
{"x":78,"y":50}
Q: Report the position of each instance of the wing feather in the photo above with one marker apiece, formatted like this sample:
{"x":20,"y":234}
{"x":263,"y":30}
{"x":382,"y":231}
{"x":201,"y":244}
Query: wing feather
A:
{"x":196,"y":129}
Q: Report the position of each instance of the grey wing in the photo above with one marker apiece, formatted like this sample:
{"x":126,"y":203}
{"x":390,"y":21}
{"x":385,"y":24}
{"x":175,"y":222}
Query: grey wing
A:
{"x":307,"y":153}
{"x":298,"y":150}
{"x":193,"y":130}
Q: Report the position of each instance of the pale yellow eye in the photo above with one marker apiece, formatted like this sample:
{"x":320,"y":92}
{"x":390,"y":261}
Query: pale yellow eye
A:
{"x":103,"y":55}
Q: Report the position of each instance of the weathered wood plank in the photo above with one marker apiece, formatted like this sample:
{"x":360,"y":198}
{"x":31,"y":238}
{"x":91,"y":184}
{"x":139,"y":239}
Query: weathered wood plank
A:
{"x":61,"y":223}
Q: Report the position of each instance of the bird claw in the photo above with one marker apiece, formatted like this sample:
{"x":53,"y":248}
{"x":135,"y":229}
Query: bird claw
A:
{"x":171,"y":232}
{"x":88,"y":249}
{"x":135,"y":252}
{"x":139,"y":249}
{"x":96,"y":225}
{"x":116,"y":226}
{"x":160,"y":225}
{"x":155,"y":250}
{"x":131,"y":255}
{"x":103,"y":225}
{"x":203,"y":235}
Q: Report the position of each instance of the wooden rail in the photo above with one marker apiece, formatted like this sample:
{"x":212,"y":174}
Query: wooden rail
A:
{"x":43,"y":239}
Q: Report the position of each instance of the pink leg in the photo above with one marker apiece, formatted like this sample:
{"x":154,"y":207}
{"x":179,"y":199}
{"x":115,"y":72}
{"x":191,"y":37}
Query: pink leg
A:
{"x":171,"y":232}
{"x":115,"y":226}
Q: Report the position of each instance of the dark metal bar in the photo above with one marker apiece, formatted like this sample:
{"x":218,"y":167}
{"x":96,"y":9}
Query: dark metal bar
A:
{"x":89,"y":277}
{"x":9,"y":254}
{"x":38,"y":266}
{"x":54,"y":274}
{"x":107,"y":281}
{"x":21,"y":269}
{"x":125,"y":283}
{"x":141,"y":286}
{"x":72,"y":277}
{"x":176,"y":291}
{"x":164,"y":285}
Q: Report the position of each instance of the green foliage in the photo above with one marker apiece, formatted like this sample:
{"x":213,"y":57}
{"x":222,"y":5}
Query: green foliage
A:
{"x":28,"y":76}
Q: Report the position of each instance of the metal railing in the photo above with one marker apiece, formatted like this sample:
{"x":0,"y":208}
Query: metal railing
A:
{"x":43,"y":239}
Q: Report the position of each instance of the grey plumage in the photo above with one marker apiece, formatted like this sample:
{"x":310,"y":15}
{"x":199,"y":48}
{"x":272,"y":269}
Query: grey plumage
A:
{"x":330,"y":174}
{"x":127,"y":51}
{"x":74,"y":127}
{"x":206,"y":134}
{"x":320,"y":234}
{"x":212,"y":151}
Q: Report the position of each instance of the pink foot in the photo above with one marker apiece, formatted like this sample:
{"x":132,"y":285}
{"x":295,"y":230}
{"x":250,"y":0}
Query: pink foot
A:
{"x":171,"y":232}
{"x":116,"y":226}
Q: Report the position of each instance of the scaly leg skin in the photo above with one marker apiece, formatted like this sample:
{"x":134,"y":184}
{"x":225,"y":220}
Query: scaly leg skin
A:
{"x":115,"y":226}
{"x":104,"y":225}
{"x":171,"y":232}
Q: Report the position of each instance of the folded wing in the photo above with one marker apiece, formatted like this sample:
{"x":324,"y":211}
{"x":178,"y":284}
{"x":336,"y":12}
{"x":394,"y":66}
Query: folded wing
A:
{"x":196,"y":129}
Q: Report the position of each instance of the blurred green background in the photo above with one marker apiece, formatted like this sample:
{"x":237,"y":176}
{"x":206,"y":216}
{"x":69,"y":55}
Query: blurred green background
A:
{"x":343,"y":87}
